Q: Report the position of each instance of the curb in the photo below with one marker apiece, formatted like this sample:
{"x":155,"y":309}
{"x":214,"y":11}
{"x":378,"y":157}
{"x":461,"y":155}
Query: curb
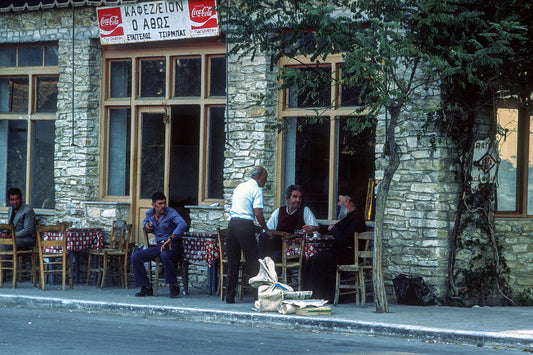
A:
{"x":274,"y":320}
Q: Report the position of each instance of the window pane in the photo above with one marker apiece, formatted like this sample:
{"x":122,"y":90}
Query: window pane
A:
{"x":8,"y":57}
{"x":307,"y":162}
{"x":152,"y":154}
{"x":13,"y":94}
{"x":215,"y":163}
{"x":120,"y":83}
{"x":153,"y":78}
{"x":530,"y":169}
{"x":17,"y":138}
{"x":50,"y":55}
{"x":184,"y":155}
{"x":43,"y":191}
{"x":118,"y":183}
{"x":30,"y":56}
{"x":313,"y":88}
{"x":508,"y":149}
{"x":217,"y":78}
{"x":355,"y":162}
{"x":47,"y":94}
{"x":188,"y":77}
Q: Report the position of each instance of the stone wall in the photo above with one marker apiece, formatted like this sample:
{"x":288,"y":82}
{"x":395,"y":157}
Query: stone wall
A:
{"x":421,"y":203}
{"x":251,"y":115}
{"x":515,"y":235}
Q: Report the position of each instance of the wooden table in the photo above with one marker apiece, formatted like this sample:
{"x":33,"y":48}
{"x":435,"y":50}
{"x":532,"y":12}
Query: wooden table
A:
{"x":78,"y":239}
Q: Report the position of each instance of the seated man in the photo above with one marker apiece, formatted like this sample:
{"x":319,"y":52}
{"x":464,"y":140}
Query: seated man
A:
{"x":284,"y":221}
{"x":319,"y":271}
{"x":22,"y":217}
{"x":168,"y":227}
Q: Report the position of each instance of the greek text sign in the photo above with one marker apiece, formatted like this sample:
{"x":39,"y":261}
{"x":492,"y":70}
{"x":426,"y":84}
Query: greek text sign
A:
{"x":157,"y":21}
{"x":485,"y":163}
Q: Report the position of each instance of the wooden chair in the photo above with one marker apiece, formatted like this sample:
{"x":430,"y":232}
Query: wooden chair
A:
{"x":370,"y":200}
{"x":352,"y":277}
{"x":154,"y":270}
{"x":49,"y":260}
{"x":296,"y":244}
{"x":223,"y":259}
{"x":13,"y":258}
{"x":113,"y":258}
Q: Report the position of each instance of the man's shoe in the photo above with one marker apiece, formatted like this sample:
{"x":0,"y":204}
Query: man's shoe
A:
{"x":145,"y":291}
{"x":230,"y":300}
{"x":174,"y":291}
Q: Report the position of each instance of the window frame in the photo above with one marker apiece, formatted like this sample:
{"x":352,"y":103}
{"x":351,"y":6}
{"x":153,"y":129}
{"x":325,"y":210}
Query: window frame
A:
{"x":335,"y":112}
{"x":205,"y":50}
{"x":32,"y":73}
{"x":525,"y":121}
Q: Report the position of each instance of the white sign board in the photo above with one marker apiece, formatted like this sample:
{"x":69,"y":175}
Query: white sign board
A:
{"x":484,"y":163}
{"x":157,"y":21}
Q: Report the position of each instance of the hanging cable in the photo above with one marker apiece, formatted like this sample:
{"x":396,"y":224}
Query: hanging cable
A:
{"x":73,"y":101}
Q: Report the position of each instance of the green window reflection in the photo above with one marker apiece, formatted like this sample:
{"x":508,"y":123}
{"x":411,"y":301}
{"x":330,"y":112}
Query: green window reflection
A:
{"x":13,"y":150}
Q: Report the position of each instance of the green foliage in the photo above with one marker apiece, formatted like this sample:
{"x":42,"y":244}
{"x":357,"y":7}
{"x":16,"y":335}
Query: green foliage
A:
{"x":399,"y":52}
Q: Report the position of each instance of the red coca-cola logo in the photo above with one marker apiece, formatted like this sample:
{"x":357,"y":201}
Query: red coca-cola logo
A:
{"x":202,"y":13}
{"x":110,"y":22}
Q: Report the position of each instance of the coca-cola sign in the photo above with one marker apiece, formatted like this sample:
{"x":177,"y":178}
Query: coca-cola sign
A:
{"x":110,"y":21}
{"x":202,"y":16}
{"x":157,"y":21}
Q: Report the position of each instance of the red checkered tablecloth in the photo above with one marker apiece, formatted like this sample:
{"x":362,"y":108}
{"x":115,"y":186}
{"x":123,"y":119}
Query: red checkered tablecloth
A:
{"x":313,"y":245}
{"x":78,"y":239}
{"x":201,"y":247}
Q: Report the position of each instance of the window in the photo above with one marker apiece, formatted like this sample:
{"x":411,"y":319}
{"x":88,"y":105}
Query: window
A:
{"x":28,"y":103}
{"x":515,"y":173}
{"x":320,"y":153}
{"x":164,"y":115}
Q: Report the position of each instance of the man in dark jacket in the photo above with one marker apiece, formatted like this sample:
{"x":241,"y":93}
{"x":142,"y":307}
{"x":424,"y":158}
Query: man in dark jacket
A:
{"x":22,"y":217}
{"x":319,"y":272}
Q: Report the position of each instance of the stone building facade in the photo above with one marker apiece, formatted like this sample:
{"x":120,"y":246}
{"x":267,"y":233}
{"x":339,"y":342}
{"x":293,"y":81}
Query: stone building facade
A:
{"x":422,"y":199}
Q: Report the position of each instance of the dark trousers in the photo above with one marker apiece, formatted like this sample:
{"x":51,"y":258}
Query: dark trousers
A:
{"x":271,"y":247}
{"x":168,"y":260}
{"x":241,"y":236}
{"x":319,"y":272}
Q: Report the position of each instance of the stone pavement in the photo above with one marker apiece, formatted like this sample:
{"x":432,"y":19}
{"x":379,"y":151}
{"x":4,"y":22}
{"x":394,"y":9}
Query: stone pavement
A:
{"x":510,"y":327}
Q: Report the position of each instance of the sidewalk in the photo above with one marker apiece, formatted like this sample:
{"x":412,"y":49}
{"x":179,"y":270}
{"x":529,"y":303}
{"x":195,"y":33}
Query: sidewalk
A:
{"x":483,"y":326}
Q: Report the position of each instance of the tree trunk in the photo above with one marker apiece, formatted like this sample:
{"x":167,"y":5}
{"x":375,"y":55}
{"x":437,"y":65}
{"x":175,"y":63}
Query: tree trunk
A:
{"x":380,"y":294}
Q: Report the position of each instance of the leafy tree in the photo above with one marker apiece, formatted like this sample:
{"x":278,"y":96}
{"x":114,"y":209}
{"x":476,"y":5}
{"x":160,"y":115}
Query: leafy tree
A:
{"x":397,"y":51}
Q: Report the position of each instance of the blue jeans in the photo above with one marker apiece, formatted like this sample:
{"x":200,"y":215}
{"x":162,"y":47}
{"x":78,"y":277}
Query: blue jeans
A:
{"x":168,"y":260}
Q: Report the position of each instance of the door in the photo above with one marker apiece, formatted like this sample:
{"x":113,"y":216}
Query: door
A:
{"x":168,"y":159}
{"x":152,"y":159}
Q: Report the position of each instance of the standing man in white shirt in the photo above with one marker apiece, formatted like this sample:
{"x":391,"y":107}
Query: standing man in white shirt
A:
{"x":246,"y":206}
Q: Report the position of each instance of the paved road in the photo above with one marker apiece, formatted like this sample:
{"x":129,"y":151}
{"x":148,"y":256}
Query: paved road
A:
{"x":30,"y":331}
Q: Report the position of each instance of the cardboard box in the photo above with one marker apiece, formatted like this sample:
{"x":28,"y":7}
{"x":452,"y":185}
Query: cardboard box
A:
{"x":313,"y":311}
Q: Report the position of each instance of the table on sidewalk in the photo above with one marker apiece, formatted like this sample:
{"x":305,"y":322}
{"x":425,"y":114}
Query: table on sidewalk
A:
{"x":78,"y":239}
{"x":203,"y":247}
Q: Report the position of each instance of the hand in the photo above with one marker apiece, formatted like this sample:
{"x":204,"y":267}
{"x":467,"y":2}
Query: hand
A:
{"x":330,"y":227}
{"x":167,"y":242}
{"x":149,"y":227}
